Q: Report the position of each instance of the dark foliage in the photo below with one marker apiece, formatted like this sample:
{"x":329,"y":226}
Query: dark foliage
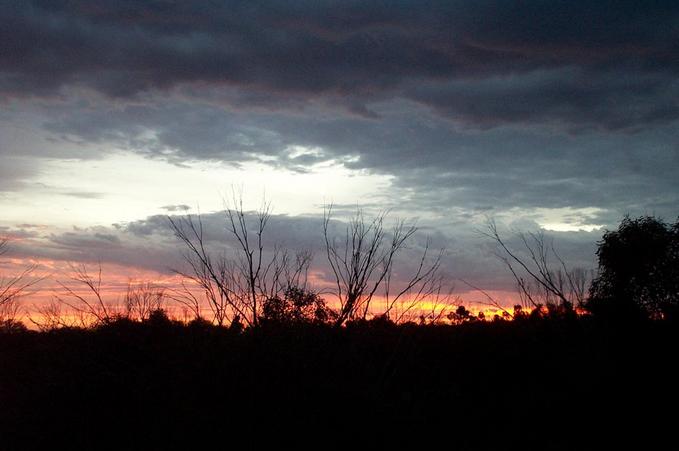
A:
{"x":638,"y":271}
{"x":12,"y":325}
{"x":548,"y":379}
{"x":295,"y":306}
{"x":547,"y":382}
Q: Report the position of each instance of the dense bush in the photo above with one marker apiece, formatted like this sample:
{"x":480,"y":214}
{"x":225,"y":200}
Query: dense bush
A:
{"x":638,"y":271}
{"x":546,"y":382}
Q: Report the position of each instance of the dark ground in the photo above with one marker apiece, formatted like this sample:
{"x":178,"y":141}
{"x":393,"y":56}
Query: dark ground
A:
{"x":542,"y":384}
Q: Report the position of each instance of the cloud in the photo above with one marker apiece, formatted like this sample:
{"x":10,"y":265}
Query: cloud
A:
{"x":573,"y":97}
{"x":482,"y":61}
{"x":542,"y":112}
{"x":474,"y":103}
{"x":435,"y":163}
{"x":176,"y":208}
{"x":149,"y":245}
{"x":84,"y":194}
{"x":13,"y":173}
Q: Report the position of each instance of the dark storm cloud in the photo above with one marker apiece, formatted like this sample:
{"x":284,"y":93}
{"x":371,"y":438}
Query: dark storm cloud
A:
{"x":623,"y":54}
{"x":574,"y":97}
{"x":477,"y":108}
{"x":473,"y":104}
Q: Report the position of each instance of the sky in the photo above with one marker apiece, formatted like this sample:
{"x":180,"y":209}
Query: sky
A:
{"x":561,"y":116}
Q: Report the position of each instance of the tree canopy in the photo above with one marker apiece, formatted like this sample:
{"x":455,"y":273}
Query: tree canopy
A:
{"x":638,"y":270}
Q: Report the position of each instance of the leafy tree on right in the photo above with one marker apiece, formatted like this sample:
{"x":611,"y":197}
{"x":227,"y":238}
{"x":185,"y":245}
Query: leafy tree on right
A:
{"x":638,"y":271}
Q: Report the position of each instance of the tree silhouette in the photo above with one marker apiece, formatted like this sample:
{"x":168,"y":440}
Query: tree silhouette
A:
{"x":363,"y":260}
{"x":236,"y":283}
{"x":86,"y":298}
{"x":13,"y":288}
{"x":296,"y":306}
{"x":638,"y":270}
{"x":541,"y":274}
{"x":83,"y":301}
{"x":142,"y":300}
{"x":462,"y":315}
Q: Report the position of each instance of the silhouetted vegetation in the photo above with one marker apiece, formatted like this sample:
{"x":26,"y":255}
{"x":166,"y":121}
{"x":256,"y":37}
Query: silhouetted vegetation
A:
{"x":11,"y":290}
{"x":540,"y":381}
{"x":638,"y":271}
{"x":296,"y":306}
{"x":542,"y":277}
{"x":241,"y":273}
{"x":540,"y":375}
{"x":362,"y":261}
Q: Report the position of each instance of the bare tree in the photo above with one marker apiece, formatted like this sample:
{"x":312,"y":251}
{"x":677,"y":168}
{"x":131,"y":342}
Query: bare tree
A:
{"x":89,"y":305}
{"x":142,"y":299}
{"x":215,"y":276}
{"x":51,"y":316}
{"x":363,"y":260}
{"x":83,"y":296}
{"x":490,"y":300}
{"x":222,"y":285}
{"x":438,"y":302}
{"x":14,"y":287}
{"x":10,"y":311}
{"x":251,"y":255}
{"x":426,"y":285}
{"x":539,"y":281}
{"x":187,"y":298}
{"x":236,"y":284}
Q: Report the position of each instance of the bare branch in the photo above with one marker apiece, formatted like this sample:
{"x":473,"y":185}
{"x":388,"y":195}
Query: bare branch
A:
{"x":364,"y":261}
{"x":235,"y":285}
{"x":15,"y":287}
{"x":544,"y":284}
{"x":90,"y":303}
{"x":492,"y":302}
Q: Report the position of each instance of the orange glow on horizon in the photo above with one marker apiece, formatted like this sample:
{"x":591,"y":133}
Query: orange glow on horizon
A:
{"x":115,"y":280}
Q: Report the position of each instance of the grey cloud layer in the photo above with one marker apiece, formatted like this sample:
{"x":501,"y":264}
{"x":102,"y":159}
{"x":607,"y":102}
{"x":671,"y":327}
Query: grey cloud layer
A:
{"x":574,"y":62}
{"x":445,"y":165}
{"x":475,"y":107}
{"x":149,"y":244}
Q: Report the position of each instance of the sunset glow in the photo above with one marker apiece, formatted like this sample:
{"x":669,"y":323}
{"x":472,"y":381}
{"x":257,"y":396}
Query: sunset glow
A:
{"x":424,"y":224}
{"x":443,"y":123}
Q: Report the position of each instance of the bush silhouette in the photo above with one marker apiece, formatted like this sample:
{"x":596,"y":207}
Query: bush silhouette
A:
{"x":638,"y":271}
{"x":12,"y":326}
{"x":297,"y":305}
{"x":158,"y":317}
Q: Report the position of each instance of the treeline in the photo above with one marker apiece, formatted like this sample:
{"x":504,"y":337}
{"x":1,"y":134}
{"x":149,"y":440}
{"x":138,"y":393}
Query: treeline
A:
{"x":255,"y":282}
{"x":637,"y":278}
{"x":552,"y":378}
{"x":533,"y":383}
